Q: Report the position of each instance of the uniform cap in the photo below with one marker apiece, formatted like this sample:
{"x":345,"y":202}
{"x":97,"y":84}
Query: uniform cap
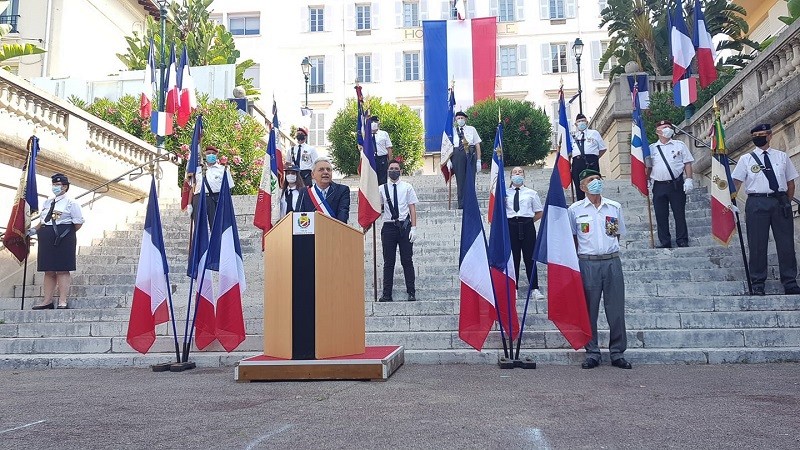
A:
{"x":461,"y":113}
{"x":580,"y":117}
{"x":586,"y":173}
{"x":762,"y":127}
{"x":302,"y":130}
{"x":290,"y":167}
{"x":661,"y":123}
{"x":59,"y":178}
{"x":211,"y":148}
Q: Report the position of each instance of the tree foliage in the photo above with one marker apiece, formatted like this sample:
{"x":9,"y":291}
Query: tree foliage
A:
{"x":13,"y":50}
{"x":402,"y":124}
{"x":526,"y":130}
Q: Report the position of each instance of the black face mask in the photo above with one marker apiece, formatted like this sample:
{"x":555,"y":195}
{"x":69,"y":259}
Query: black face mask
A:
{"x":301,"y":137}
{"x":759,"y":141}
{"x":394,"y":175}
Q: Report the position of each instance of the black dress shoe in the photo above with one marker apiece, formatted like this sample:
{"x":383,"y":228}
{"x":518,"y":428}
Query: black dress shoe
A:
{"x":621,"y":363}
{"x":50,"y":305}
{"x":683,"y":244}
{"x":412,"y":297}
{"x":590,"y":363}
{"x":385,"y":299}
{"x":792,"y":290}
{"x":664,"y":246}
{"x":758,"y":290}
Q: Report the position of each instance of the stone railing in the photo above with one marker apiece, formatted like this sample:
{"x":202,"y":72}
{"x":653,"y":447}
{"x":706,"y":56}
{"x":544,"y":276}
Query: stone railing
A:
{"x":90,"y":151}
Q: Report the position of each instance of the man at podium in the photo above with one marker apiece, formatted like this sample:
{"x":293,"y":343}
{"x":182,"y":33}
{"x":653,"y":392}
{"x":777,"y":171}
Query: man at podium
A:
{"x":325,"y":196}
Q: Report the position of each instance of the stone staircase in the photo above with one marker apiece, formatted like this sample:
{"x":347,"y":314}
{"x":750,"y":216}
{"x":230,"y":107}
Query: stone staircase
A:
{"x":684,"y":305}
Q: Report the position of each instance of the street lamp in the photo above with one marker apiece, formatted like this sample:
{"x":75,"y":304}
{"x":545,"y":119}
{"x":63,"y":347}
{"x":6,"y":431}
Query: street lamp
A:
{"x":306,"y":67}
{"x":577,"y":48}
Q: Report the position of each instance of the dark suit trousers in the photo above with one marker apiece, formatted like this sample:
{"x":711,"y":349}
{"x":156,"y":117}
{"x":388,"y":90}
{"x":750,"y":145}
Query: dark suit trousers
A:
{"x":523,"y":238}
{"x":459,"y":160}
{"x":763,"y":213}
{"x":665,"y":196}
{"x":393,"y":236}
{"x":579,"y":164}
{"x":382,"y":167}
{"x":211,"y":207}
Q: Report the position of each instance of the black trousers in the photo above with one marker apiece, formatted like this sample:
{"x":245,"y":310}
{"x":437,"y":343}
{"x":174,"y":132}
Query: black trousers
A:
{"x":523,"y":238}
{"x":764,"y":213}
{"x":579,"y":164}
{"x":393,"y":236}
{"x":211,"y":207}
{"x":382,"y":167}
{"x":666,"y":195}
{"x":306,"y":176}
{"x":459,"y":160}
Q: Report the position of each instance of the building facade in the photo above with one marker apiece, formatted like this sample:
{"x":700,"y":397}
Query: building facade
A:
{"x":762,"y":17}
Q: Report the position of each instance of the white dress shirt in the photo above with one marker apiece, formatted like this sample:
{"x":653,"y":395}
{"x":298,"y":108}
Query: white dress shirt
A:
{"x":676,"y":154}
{"x":589,"y":225}
{"x":529,"y":202}
{"x":214,"y":176}
{"x":308,"y":156}
{"x":749,"y":172}
{"x":405,"y":196}
{"x":592,"y":142}
{"x":67,"y":210}
{"x":383,"y":142}
{"x":295,"y":200}
{"x":470,"y":134}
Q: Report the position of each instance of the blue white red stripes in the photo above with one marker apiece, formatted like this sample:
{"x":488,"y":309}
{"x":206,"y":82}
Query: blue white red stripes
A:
{"x":161,"y":123}
{"x":706,"y":56}
{"x":26,"y":202}
{"x":722,"y":188}
{"x":188,"y":97}
{"x":497,"y":164}
{"x":204,"y":319}
{"x":640,"y":149}
{"x":564,"y":143}
{"x":173,"y":95}
{"x":684,"y":86}
{"x":447,"y":136}
{"x":318,"y":199}
{"x":148,"y":87}
{"x":369,"y":197}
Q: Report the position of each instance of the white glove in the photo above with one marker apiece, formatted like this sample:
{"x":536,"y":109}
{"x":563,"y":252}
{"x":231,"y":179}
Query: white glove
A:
{"x":449,"y":165}
{"x":412,"y":234}
{"x":688,"y":185}
{"x":189,"y":210}
{"x":733,"y":208}
{"x":649,"y":185}
{"x":32,"y":231}
{"x":478,"y":165}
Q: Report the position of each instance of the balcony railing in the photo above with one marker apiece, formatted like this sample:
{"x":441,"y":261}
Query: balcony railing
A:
{"x":11,"y":19}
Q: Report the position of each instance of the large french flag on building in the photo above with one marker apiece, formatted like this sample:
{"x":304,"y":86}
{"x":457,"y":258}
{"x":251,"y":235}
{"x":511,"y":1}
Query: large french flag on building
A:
{"x":684,"y":86}
{"x":225,"y":257}
{"x":566,"y":300}
{"x":369,"y":197}
{"x":477,"y":310}
{"x":723,"y":192}
{"x":463,"y":51}
{"x":204,"y":319}
{"x":564,"y":143}
{"x":640,"y":149}
{"x":26,"y":203}
{"x":150,"y":294}
{"x":706,"y":56}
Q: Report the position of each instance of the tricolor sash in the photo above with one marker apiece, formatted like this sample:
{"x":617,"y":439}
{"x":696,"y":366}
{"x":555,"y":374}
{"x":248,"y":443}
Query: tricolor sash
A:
{"x":320,"y":203}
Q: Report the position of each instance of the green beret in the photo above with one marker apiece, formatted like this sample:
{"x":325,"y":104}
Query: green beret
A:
{"x":586,"y":173}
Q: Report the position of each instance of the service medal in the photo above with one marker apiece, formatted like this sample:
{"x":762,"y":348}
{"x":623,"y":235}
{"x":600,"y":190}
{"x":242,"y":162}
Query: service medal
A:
{"x":756,"y":168}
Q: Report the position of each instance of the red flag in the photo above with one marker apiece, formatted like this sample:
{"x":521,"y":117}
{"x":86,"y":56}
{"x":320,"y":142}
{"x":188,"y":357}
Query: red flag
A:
{"x":146,"y":100}
{"x":188,"y":97}
{"x":173,"y":94}
{"x":26,"y":202}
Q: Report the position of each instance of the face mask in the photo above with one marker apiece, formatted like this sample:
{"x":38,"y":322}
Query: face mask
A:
{"x":374,"y":126}
{"x":582,"y":126}
{"x":394,"y":175}
{"x":301,"y":137}
{"x":667,"y":132}
{"x":595,"y":187}
{"x":517,"y":179}
{"x":759,"y":141}
{"x":57,"y":190}
{"x":291,"y":178}
{"x":461,"y":122}
{"x":211,"y":159}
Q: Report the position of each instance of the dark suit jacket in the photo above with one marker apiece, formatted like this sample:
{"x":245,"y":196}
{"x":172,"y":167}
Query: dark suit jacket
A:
{"x":339,"y":199}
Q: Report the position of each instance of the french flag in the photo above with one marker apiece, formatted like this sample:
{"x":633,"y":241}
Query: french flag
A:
{"x":173,"y":96}
{"x":706,"y":56}
{"x":161,"y":123}
{"x":146,"y":99}
{"x":187,"y":190}
{"x":268,"y":187}
{"x":477,"y":306}
{"x":643,"y":84}
{"x":188,"y":97}
{"x":501,"y":265}
{"x":447,"y":136}
{"x":564,"y":143}
{"x":566,"y":301}
{"x":150,"y":295}
{"x":225,"y":257}
{"x":640,"y":149}
{"x":369,"y":197}
{"x":497,"y":167}
{"x":204,"y":310}
{"x":684,"y":86}
{"x":26,"y":202}
{"x":463,"y":51}
{"x":723,"y":192}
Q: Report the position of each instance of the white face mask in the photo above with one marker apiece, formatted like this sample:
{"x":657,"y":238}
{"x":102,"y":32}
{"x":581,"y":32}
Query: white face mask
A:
{"x":291,"y":178}
{"x":374,"y":126}
{"x":668,"y":132}
{"x":461,"y":122}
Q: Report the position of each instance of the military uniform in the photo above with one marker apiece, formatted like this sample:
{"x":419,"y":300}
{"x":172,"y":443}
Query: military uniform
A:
{"x":382,"y":145}
{"x":522,"y":204}
{"x":586,"y":149}
{"x":213,"y":178}
{"x":57,"y":239}
{"x":303,"y":156}
{"x":668,"y":190}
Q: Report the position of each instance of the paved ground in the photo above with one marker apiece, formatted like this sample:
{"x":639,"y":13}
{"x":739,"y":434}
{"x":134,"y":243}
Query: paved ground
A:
{"x":718,"y":406}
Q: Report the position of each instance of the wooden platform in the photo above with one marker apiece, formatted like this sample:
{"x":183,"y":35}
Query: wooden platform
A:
{"x":376,"y":363}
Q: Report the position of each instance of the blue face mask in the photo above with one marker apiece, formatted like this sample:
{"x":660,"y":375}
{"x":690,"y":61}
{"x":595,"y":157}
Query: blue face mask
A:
{"x":57,"y":190}
{"x":517,"y":179}
{"x":595,"y":187}
{"x":211,"y":159}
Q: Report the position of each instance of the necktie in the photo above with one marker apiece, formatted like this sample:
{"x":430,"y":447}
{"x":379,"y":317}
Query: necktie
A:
{"x":516,"y":200}
{"x":297,"y":155}
{"x":289,"y":207}
{"x":50,"y":211}
{"x":462,"y":137}
{"x":396,"y":209}
{"x":773,"y":180}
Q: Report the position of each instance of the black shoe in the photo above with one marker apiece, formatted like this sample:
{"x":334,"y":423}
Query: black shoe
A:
{"x":758,"y":290}
{"x":385,"y":299}
{"x":50,"y":305}
{"x":64,"y":306}
{"x":590,"y":363}
{"x":412,"y":297}
{"x":621,"y":363}
{"x":683,"y":244}
{"x":792,"y":290}
{"x":664,"y":246}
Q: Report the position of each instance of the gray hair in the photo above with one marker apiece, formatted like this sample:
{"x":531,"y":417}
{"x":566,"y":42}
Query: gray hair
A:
{"x":322,"y":159}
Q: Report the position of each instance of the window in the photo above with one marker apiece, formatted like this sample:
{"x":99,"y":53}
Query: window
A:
{"x":554,"y":109}
{"x":317,"y":129}
{"x":11,"y":16}
{"x":411,"y":66}
{"x":316,"y":80}
{"x":598,"y":48}
{"x":558,"y":58}
{"x":557,"y":9}
{"x":410,"y":14}
{"x":506,"y":11}
{"x":363,"y":17}
{"x":315,"y":18}
{"x":364,"y":68}
{"x":508,"y":61}
{"x":254,"y":72}
{"x":244,"y":25}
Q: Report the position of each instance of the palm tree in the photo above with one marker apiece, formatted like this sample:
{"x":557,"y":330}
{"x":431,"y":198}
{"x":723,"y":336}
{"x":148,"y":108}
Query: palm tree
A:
{"x":13,"y":50}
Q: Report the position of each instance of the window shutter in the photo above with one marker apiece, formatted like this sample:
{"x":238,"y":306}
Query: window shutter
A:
{"x":423,"y":10}
{"x":350,"y":20}
{"x":470,"y":10}
{"x":547,"y":66}
{"x":522,"y":59}
{"x":421,"y":67}
{"x":327,"y":12}
{"x":374,"y":16}
{"x":520,"y":10}
{"x":376,"y":67}
{"x":569,"y":9}
{"x":544,"y":9}
{"x":596,"y":54}
{"x":399,"y":66}
{"x":494,"y":11}
{"x":350,"y":69}
{"x":327,"y":67}
{"x":446,"y":5}
{"x":305,"y":25}
{"x":398,"y":14}
{"x":571,"y":66}
{"x":499,"y":58}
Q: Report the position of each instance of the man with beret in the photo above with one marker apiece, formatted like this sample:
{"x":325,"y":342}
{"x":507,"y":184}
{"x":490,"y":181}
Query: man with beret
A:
{"x":303,"y":155}
{"x":383,"y":150}
{"x":467,"y":142}
{"x":596,"y":226}
{"x":669,"y":168}
{"x":587,"y":148}
{"x":213,"y":183}
{"x":768,"y":177}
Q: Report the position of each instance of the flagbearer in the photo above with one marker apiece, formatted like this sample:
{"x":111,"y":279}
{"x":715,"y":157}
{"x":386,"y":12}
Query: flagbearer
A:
{"x":212,"y":182}
{"x":596,"y":226}
{"x":383,"y":150}
{"x":466,"y":141}
{"x":399,"y":201}
{"x":670,"y":171}
{"x":303,"y":155}
{"x":587,"y":149}
{"x":325,"y":196}
{"x":523,"y":208}
{"x":768,"y":177}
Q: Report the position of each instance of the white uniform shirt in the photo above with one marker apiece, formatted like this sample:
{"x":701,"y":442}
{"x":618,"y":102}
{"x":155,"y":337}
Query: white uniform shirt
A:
{"x":592,"y":142}
{"x":67,"y":210}
{"x":405,"y":196}
{"x":676,"y":154}
{"x":470,"y":134}
{"x":755,"y":182}
{"x":295,"y":199}
{"x":308,"y":156}
{"x":383,"y":142}
{"x":590,"y":225}
{"x":529,"y":202}
{"x":214,"y":176}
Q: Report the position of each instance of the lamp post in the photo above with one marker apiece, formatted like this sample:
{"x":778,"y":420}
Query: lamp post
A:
{"x":162,"y":17}
{"x":577,"y":48}
{"x":306,"y":67}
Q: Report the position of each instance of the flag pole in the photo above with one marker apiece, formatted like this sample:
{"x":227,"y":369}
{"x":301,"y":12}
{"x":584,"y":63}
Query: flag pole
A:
{"x":25,"y":273}
{"x":744,"y":255}
{"x":374,"y":264}
{"x":525,"y":313}
{"x":174,"y":325}
{"x":650,"y":218}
